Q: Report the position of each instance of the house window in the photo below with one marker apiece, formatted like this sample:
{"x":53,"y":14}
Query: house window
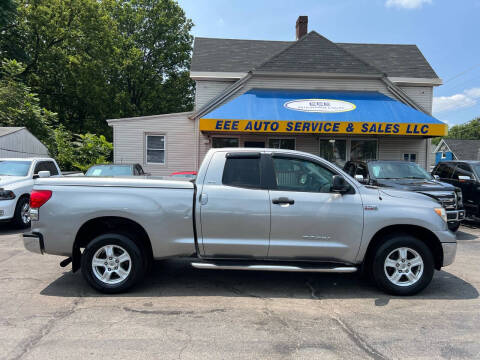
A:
{"x":155,"y":149}
{"x":288,"y":144}
{"x":444,"y":155}
{"x":363,"y":150}
{"x":334,"y":150}
{"x":222,"y":142}
{"x":410,"y":157}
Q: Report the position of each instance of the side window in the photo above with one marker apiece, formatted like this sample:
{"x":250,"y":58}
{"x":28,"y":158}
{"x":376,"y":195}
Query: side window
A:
{"x":242,"y":172}
{"x":301,"y":175}
{"x":463,"y":170}
{"x":362,"y":170}
{"x":444,"y":171}
{"x":140,"y":170}
{"x":50,"y":166}
{"x":40,"y":167}
{"x":350,"y":169}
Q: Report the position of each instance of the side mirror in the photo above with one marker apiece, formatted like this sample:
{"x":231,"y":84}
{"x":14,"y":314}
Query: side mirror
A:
{"x":339,"y":184}
{"x":436,"y":177}
{"x":464,"y":178}
{"x":44,"y":174}
{"x":361,"y":179}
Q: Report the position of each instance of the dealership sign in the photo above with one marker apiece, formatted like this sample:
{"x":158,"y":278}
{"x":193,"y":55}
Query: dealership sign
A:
{"x":322,"y":127}
{"x":319,"y":105}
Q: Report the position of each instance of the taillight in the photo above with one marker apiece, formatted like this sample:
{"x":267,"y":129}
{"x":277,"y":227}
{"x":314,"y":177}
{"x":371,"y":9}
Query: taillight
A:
{"x":39,"y":197}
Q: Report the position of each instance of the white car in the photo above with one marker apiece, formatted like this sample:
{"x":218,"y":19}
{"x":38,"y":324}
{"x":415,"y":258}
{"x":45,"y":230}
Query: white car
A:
{"x":16,"y":182}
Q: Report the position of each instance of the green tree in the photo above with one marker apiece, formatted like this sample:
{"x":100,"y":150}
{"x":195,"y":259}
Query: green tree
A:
{"x":90,"y":60}
{"x":19,"y":106}
{"x":469,"y":130}
{"x":91,"y":149}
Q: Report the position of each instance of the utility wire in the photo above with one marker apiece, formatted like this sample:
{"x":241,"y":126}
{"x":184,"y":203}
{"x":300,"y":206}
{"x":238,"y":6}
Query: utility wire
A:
{"x":463,"y":72}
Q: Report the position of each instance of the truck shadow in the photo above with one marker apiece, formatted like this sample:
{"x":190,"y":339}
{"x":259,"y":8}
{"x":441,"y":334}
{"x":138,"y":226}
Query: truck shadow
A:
{"x":173,"y":278}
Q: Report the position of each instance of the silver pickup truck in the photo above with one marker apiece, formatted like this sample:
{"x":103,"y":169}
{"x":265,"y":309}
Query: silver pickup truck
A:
{"x":249,"y":209}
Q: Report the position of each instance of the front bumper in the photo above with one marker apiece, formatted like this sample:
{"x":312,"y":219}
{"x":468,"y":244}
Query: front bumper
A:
{"x":33,"y":242}
{"x":448,"y":241}
{"x":7,"y":209}
{"x":449,"y":252}
{"x":455,"y":215}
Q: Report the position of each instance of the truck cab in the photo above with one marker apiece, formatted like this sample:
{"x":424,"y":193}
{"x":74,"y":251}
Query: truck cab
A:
{"x":17,"y":176}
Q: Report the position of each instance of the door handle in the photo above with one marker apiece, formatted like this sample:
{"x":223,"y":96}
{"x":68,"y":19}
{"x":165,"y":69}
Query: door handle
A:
{"x":283,"y":200}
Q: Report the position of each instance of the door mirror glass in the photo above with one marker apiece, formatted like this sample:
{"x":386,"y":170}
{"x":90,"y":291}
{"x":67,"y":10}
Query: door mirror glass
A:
{"x":339,"y":184}
{"x":436,"y":177}
{"x":359,"y":177}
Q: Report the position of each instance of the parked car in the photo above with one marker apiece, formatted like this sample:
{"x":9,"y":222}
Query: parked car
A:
{"x":16,"y":182}
{"x":187,"y":175}
{"x":409,"y":176}
{"x":249,"y":209}
{"x":466,"y":176}
{"x":116,"y":170}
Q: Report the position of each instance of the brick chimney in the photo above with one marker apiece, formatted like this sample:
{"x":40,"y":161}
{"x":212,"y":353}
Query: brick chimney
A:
{"x":302,"y":26}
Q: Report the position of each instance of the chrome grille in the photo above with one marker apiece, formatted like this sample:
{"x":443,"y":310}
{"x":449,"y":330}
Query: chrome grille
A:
{"x":447,"y":199}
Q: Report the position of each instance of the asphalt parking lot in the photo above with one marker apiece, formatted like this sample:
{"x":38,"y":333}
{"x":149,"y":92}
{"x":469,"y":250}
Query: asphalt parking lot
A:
{"x":47,"y":312}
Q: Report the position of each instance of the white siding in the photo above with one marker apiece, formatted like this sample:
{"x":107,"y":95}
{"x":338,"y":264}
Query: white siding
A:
{"x":422,"y":95}
{"x":129,"y":142}
{"x":21,"y":144}
{"x":393,"y":148}
{"x":316,"y":84}
{"x":206,"y":90}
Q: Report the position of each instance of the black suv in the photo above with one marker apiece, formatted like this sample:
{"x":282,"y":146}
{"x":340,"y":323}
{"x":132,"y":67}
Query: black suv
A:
{"x":406,"y":175}
{"x":466,"y":176}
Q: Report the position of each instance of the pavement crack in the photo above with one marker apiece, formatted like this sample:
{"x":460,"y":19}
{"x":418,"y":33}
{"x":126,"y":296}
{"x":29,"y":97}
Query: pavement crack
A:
{"x":358,"y":340}
{"x":33,"y":340}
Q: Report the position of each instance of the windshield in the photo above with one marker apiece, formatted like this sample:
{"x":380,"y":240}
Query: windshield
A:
{"x":14,"y":168}
{"x":477,"y":169}
{"x":110,"y":170}
{"x":398,"y":170}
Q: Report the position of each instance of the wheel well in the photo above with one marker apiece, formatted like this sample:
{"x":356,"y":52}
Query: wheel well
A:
{"x":425,"y":235}
{"x":102,"y":225}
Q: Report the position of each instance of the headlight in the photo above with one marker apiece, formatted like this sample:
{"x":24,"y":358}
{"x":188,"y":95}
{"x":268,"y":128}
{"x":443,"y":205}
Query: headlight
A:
{"x":442,"y":213}
{"x":7,"y":195}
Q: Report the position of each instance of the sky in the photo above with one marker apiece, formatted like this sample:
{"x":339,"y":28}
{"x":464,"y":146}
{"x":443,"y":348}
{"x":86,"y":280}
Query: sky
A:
{"x":446,"y":31}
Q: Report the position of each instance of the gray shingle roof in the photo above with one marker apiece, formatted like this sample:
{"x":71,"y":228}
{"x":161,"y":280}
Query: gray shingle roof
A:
{"x":233,"y":55}
{"x":394,"y":60}
{"x":464,"y":149}
{"x":5,"y":130}
{"x":315,"y":53}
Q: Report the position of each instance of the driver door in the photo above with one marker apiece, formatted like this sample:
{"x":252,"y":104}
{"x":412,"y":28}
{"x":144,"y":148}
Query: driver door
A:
{"x":308,"y":221}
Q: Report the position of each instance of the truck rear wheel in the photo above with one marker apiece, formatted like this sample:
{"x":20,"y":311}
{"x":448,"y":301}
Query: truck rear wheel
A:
{"x":112,"y":263}
{"x":403,"y":265}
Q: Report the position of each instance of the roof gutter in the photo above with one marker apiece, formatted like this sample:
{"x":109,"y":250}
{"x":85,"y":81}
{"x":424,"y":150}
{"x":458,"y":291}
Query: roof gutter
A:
{"x":316,"y":75}
{"x":223,"y":96}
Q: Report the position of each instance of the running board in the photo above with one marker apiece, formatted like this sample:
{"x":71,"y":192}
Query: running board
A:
{"x":289,"y":268}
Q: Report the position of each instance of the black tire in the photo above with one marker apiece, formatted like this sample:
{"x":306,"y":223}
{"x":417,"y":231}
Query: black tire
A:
{"x":391,"y":244}
{"x":18,"y":218}
{"x":454,"y":226}
{"x":137,"y":269}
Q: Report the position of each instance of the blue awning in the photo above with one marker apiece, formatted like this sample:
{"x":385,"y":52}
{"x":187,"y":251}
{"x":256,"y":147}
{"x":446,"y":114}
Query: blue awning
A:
{"x":297,"y":111}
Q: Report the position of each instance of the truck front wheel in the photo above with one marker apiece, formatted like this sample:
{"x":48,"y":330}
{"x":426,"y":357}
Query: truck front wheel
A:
{"x":403,"y":265}
{"x":112,"y":263}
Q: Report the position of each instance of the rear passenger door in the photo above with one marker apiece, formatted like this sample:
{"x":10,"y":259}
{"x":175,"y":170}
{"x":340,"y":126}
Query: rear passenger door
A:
{"x":235,"y":207}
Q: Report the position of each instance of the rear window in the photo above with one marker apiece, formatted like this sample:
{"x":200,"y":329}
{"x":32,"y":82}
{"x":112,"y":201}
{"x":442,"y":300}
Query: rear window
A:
{"x":110,"y":170}
{"x":242,"y":172}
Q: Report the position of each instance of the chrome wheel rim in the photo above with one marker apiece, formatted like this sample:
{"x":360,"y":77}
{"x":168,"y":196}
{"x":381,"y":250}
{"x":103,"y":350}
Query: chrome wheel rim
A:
{"x":403,"y":266}
{"x":25,"y":213}
{"x":111,"y":264}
